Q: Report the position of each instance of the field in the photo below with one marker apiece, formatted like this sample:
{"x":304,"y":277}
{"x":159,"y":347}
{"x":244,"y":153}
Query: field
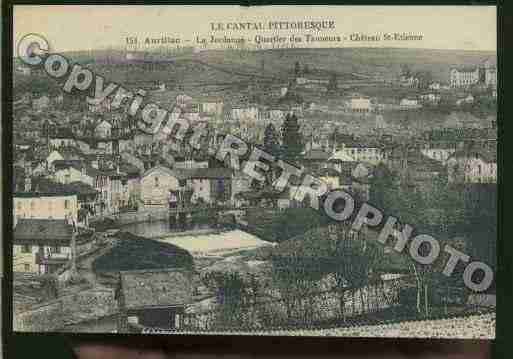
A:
{"x":232,"y":73}
{"x":236,"y":65}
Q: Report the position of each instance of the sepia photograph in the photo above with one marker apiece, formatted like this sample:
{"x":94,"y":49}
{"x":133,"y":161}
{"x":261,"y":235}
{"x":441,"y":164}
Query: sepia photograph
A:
{"x":311,"y":171}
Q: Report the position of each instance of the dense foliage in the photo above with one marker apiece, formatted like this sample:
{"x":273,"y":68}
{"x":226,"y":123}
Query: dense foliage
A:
{"x":135,"y":253}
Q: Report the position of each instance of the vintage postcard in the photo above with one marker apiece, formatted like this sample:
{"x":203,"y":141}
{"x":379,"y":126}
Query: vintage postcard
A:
{"x":275,"y":170}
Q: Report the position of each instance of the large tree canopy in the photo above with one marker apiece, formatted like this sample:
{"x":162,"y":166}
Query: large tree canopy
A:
{"x":291,"y":136}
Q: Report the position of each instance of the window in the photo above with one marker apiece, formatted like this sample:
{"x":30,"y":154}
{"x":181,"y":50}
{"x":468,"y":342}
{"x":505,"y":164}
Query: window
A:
{"x":55,"y":249}
{"x":66,"y":204}
{"x":479,"y":169}
{"x":156,"y":181}
{"x":25,"y":248}
{"x":26,"y":267}
{"x":19,"y":205}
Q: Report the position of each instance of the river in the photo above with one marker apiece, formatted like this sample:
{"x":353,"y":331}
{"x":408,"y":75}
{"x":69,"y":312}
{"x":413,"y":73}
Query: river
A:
{"x":162,"y":228}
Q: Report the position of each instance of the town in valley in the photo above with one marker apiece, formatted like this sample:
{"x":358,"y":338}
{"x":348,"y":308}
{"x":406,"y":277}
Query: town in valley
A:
{"x":117,"y":230}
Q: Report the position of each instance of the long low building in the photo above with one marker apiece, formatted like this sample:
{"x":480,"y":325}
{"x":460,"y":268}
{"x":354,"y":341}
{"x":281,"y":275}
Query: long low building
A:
{"x":45,"y":205}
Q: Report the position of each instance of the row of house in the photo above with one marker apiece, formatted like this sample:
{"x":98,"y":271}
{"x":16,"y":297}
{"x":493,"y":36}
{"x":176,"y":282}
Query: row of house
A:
{"x":472,"y":161}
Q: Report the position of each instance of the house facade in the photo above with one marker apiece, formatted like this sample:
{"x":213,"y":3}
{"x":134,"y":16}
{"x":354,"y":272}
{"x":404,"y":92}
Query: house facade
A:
{"x":153,"y":299}
{"x":212,"y":107}
{"x":360,"y":104}
{"x":246,"y":113}
{"x":464,"y":77}
{"x":41,"y":205}
{"x":439,"y":152}
{"x":41,"y":245}
{"x":157,"y":183}
{"x":71,"y":173}
{"x":208,"y":185}
{"x":359,"y":152}
{"x":472,"y":167}
{"x":409,"y":103}
{"x":103,"y":129}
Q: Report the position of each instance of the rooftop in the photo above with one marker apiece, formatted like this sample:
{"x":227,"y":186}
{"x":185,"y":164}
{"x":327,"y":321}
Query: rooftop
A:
{"x":485,"y":155}
{"x":465,"y":68}
{"x":188,"y":173}
{"x":316,"y":155}
{"x":156,"y":288}
{"x":43,"y":231}
{"x":421,"y":162}
{"x":43,"y":187}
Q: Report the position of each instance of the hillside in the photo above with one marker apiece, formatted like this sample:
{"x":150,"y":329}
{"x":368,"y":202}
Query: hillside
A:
{"x":279,"y":62}
{"x":134,"y":253}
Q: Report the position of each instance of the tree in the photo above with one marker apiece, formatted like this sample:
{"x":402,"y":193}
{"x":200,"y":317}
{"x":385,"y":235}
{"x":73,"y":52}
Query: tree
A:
{"x":432,"y":284}
{"x":300,"y":266}
{"x":425,"y":78}
{"x":405,"y":70}
{"x":271,"y":140}
{"x":355,"y":264}
{"x":381,"y":183}
{"x":332,"y":83}
{"x":291,"y":138}
{"x":233,"y":294}
{"x":297,"y":69}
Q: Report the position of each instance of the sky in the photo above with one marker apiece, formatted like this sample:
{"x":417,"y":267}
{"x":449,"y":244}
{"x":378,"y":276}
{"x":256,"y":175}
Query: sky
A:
{"x":84,"y":27}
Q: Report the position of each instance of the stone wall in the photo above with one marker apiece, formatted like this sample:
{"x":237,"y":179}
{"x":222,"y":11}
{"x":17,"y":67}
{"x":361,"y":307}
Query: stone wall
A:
{"x":74,"y":308}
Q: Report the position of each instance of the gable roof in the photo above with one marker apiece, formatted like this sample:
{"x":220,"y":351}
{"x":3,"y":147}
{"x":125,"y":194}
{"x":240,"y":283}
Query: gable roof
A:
{"x":43,"y":231}
{"x":190,"y":173}
{"x":422,"y":163}
{"x":164,"y":169}
{"x":82,"y":189}
{"x":64,"y":133}
{"x":465,"y":68}
{"x":208,"y":173}
{"x":485,"y":155}
{"x":64,"y":164}
{"x":129,"y":169}
{"x":44,"y":187}
{"x":316,"y":155}
{"x":70,"y":153}
{"x":104,"y":123}
{"x":327,"y":172}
